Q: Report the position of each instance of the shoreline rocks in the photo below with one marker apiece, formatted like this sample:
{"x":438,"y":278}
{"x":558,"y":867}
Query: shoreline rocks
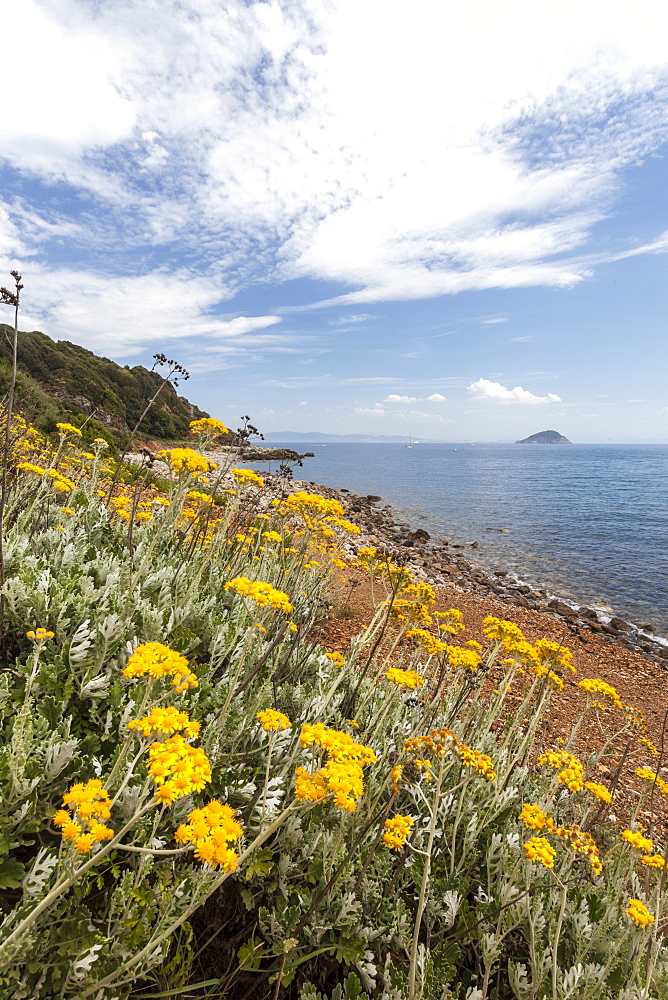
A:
{"x":440,"y":562}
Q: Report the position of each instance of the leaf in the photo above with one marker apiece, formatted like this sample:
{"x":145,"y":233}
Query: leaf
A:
{"x":11,"y":873}
{"x":261,"y":864}
{"x":251,"y":954}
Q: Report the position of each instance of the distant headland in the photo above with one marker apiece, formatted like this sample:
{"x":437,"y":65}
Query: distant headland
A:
{"x":545,"y":437}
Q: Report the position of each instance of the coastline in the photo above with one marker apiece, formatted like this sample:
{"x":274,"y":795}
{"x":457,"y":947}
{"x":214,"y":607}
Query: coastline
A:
{"x":444,"y":564}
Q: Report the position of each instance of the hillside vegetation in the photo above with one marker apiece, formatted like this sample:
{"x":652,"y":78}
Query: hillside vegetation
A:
{"x":59,"y":380}
{"x":197,"y":800}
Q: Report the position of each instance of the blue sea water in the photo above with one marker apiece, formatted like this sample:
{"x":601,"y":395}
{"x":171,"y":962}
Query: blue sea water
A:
{"x":589,"y":523}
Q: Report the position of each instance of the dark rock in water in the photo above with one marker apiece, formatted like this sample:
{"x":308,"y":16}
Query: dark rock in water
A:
{"x":420,"y":535}
{"x":645,"y":626}
{"x":475,"y":545}
{"x":619,"y":624}
{"x":500,"y":572}
{"x":545,"y":437}
{"x":373,"y":499}
{"x":565,"y":610}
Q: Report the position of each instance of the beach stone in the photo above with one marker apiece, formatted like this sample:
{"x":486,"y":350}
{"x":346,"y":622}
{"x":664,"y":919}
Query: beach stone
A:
{"x":619,"y":624}
{"x":645,"y":626}
{"x":500,"y":572}
{"x":662,"y":651}
{"x":475,"y":545}
{"x":565,"y":610}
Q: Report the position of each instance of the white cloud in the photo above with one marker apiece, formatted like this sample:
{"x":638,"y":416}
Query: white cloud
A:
{"x":484,"y":389}
{"x":364,"y":411}
{"x":522,"y":340}
{"x":495,"y":320}
{"x":435,"y":398}
{"x":354,"y":318}
{"x":122,"y":316}
{"x":281,"y":138}
{"x":392,"y":398}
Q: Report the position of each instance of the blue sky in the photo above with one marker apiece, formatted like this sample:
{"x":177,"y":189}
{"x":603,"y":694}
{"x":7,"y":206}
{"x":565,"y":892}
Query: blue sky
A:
{"x":448,"y":220}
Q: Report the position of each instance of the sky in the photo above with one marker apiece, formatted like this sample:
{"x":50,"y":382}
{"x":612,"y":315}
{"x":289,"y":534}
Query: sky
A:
{"x":442,"y":219}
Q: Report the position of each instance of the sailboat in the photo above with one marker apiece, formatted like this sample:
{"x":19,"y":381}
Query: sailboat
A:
{"x":410,"y":437}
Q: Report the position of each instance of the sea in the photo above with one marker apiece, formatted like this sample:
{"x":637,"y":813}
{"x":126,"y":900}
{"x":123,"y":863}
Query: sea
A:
{"x":588,"y":523}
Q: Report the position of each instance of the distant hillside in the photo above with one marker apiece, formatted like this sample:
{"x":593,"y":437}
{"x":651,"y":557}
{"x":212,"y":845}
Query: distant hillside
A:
{"x":545,"y":437}
{"x":58,"y":379}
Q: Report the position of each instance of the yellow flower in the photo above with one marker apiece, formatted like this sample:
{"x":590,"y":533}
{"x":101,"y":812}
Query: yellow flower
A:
{"x":636,"y":839}
{"x":155,"y":660}
{"x":273,"y":721}
{"x":208,"y":424}
{"x":596,"y":686}
{"x":650,"y":746}
{"x":165,"y":720}
{"x":187,"y":460}
{"x":540,"y":850}
{"x":29,"y":467}
{"x":248,"y":477}
{"x":90,"y":803}
{"x":177,"y":769}
{"x":405,"y":678}
{"x":68,"y":429}
{"x":39,"y":635}
{"x":210,"y":830}
{"x":639,"y":914}
{"x":653,"y":861}
{"x":261,"y":593}
{"x":533,"y":817}
{"x":397,"y":830}
{"x":342,"y":776}
{"x":600,"y":791}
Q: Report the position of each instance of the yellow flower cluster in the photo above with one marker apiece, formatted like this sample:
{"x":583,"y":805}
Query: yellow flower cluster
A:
{"x":650,"y":746}
{"x":248,"y":477}
{"x":551,"y":654}
{"x":540,"y":851}
{"x":30,"y":467}
{"x":272,"y":536}
{"x":405,"y":678}
{"x":273,"y":721}
{"x":211,"y":830}
{"x":649,"y":775}
{"x":535,"y":818}
{"x":165,"y":720}
{"x":459,"y":657}
{"x":451,"y":621}
{"x":187,"y":460}
{"x":639,"y":914}
{"x":440,"y":740}
{"x":503,"y":632}
{"x":653,"y":861}
{"x":572,"y":775}
{"x":342,"y":776}
{"x":426,"y":641}
{"x":177,"y":769}
{"x":68,"y":429}
{"x":90,"y":805}
{"x":309,"y":504}
{"x":595,"y":686}
{"x":261,"y":593}
{"x":636,"y":839}
{"x":598,"y":791}
{"x":59,"y":481}
{"x":200,"y":498}
{"x":152,"y":659}
{"x":338,"y":659}
{"x":209,"y":424}
{"x":39,"y":635}
{"x":397,"y":830}
{"x":479,"y":762}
